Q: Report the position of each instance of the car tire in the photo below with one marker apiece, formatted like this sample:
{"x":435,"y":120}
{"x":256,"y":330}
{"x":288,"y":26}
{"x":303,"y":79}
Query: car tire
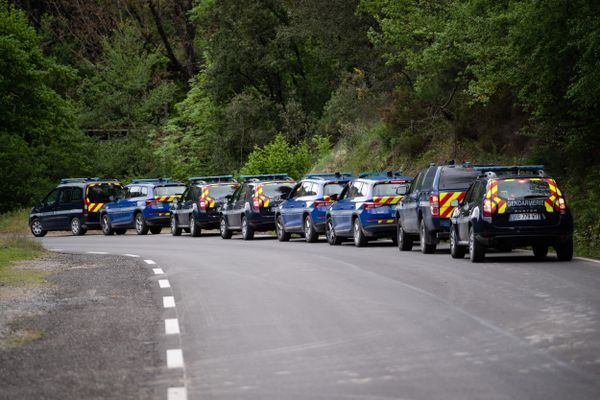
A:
{"x":476,"y":249}
{"x":175,"y":229}
{"x":156,"y":230}
{"x":564,"y":251}
{"x":405,"y":242}
{"x":282,"y":235}
{"x":226,"y":233}
{"x":76,"y":228}
{"x":310,"y":233}
{"x":360,"y":240}
{"x":195,"y":231}
{"x":332,"y":238}
{"x":425,"y":240}
{"x":247,"y":230}
{"x":540,"y":251}
{"x":107,"y":229}
{"x":456,"y":250}
{"x":120,"y":231}
{"x":36,"y":228}
{"x":141,"y":228}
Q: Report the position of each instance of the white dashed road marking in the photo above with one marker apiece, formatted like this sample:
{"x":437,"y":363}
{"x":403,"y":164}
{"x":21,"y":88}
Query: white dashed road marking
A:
{"x":164,"y":283}
{"x":97,"y":252}
{"x":171,"y":326}
{"x":149,"y":262}
{"x":131,"y":255}
{"x":158,"y":271}
{"x":174,"y":358}
{"x":168,"y":302}
{"x":177,"y":393}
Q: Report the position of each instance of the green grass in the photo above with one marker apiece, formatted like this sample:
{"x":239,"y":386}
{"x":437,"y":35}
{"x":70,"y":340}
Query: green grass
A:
{"x":15,"y":222}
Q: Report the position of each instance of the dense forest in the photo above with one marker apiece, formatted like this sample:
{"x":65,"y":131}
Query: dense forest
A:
{"x":139,"y":88}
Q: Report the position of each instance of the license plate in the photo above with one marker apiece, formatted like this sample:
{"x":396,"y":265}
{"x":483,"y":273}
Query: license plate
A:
{"x":525,"y":217}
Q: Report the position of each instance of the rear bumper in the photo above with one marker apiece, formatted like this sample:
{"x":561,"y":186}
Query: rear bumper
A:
{"x":491,"y":235}
{"x":159,"y":219}
{"x":207,"y":221}
{"x":261,"y":222}
{"x":380,"y":229}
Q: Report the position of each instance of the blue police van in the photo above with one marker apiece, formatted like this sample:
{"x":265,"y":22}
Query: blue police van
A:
{"x":366,"y":208}
{"x":305,"y":209}
{"x":144,"y":204}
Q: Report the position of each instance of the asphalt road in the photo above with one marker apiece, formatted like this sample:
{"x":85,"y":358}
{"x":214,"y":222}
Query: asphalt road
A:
{"x":270,"y":320}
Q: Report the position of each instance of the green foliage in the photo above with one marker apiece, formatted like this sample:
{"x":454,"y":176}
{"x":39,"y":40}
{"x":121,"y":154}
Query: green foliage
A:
{"x":279,"y":157}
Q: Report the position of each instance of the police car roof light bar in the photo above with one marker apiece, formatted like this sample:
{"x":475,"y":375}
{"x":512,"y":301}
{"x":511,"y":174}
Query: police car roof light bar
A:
{"x":265,"y":177}
{"x":213,"y":178}
{"x":500,"y":168}
{"x":81,"y":180}
{"x":152,"y":180}
{"x":381,"y":174}
{"x":326,"y":175}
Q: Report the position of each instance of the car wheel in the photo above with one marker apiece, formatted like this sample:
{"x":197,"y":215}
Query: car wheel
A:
{"x":360,"y":239}
{"x":194,"y":230}
{"x":310,"y":234}
{"x":107,"y":230}
{"x":425,"y":238}
{"x":456,"y":250}
{"x":156,"y":230}
{"x":141,"y":228}
{"x":564,"y":251}
{"x":540,"y":251}
{"x":175,"y":229}
{"x":225,"y":231}
{"x":476,"y":249}
{"x":405,"y":242}
{"x":282,"y":235}
{"x":76,"y":228}
{"x":247,"y":231}
{"x":36,"y":228}
{"x":332,"y":238}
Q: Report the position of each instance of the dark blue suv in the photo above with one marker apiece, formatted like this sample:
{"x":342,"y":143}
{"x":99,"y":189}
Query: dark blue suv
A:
{"x":305,"y":209}
{"x":144,"y":204}
{"x":73,"y":205}
{"x":366,"y":208}
{"x":252,"y":206}
{"x":200,"y":205}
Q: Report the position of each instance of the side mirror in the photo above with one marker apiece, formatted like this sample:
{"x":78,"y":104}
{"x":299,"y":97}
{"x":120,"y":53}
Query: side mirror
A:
{"x":334,"y":197}
{"x":454,"y":203}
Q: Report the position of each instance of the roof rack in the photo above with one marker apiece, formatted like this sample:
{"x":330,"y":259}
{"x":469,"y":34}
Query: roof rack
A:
{"x":468,"y":164}
{"x":212,"y":179}
{"x":327,"y":175}
{"x":155,"y":180}
{"x":493,"y":171}
{"x":264,"y":177}
{"x":382,"y":174}
{"x":82,"y":180}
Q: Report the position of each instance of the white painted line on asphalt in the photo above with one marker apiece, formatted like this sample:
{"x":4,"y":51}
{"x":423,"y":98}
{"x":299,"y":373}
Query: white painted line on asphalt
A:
{"x":168,"y":302}
{"x":55,"y":249}
{"x":131,"y":255}
{"x":158,"y":271}
{"x":149,"y":262}
{"x":97,"y":252}
{"x":176,"y":393}
{"x":171,"y":326}
{"x":164,"y":283}
{"x":174,"y":358}
{"x":588,"y":259}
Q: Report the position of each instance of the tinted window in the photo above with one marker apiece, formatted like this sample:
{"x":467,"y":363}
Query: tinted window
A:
{"x":76,"y":194}
{"x":417,"y":182}
{"x":188,"y":195}
{"x":275,"y":190}
{"x":333,"y":188}
{"x":168,"y":190}
{"x":427,"y":183}
{"x":220,"y":191}
{"x":390,"y":189}
{"x":52,"y":197}
{"x":456,"y":178}
{"x":101,"y":193}
{"x":353,"y":190}
{"x":65,"y":195}
{"x":523,"y":188}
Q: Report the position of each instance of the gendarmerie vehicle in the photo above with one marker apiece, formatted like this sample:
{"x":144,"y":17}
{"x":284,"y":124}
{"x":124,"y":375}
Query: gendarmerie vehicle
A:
{"x":73,"y":205}
{"x":200,"y":204}
{"x":508,"y":207}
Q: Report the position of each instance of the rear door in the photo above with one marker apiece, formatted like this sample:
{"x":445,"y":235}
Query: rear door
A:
{"x":387,"y":195}
{"x":346,"y":207}
{"x":186,"y":207}
{"x":453,"y":185}
{"x":70,"y":204}
{"x":409,"y":205}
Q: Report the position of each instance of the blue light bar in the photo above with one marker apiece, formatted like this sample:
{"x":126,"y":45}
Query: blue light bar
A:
{"x":213,"y":178}
{"x":95,"y":179}
{"x":382,"y":174}
{"x":265,"y":176}
{"x":326,"y":175}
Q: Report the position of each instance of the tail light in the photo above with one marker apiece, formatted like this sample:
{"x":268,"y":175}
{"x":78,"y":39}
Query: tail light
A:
{"x":487,"y":208}
{"x":203,"y":205}
{"x":322,"y":203}
{"x":434,"y":204}
{"x":256,"y":203}
{"x":562,"y":205}
{"x":152,"y":202}
{"x":370,"y":205}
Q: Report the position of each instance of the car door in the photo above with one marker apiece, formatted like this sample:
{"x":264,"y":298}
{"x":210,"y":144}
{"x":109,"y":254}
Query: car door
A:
{"x":409,"y":205}
{"x":464,"y":214}
{"x":47,"y":208}
{"x":345,"y":208}
{"x":185,"y":207}
{"x":116,"y":209}
{"x":64,"y":210}
{"x":290,"y":205}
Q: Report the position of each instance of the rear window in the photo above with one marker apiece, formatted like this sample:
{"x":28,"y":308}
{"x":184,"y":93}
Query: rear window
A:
{"x":275,"y":190}
{"x":333,"y":188}
{"x":522,"y":189}
{"x":390,"y":189}
{"x":168,"y":190}
{"x":456,"y":178}
{"x":220,"y":191}
{"x":101,"y":193}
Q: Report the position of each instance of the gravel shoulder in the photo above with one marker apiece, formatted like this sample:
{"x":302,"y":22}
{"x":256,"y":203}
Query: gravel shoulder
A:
{"x":92,"y":331}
